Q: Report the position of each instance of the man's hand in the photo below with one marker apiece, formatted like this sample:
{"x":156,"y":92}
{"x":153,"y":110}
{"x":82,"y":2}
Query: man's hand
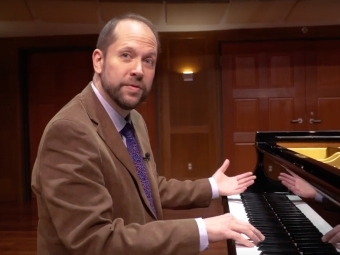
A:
{"x":227,"y":226}
{"x":232,"y":185}
{"x":333,"y":236}
{"x":297,"y":185}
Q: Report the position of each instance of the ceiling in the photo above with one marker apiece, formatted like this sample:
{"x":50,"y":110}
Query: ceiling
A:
{"x":66,"y":17}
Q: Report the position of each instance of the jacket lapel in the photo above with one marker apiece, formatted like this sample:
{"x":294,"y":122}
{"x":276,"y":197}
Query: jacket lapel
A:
{"x":109,"y":134}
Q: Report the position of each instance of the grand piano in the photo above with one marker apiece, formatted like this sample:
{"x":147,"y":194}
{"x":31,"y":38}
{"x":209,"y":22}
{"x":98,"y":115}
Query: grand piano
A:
{"x":291,"y":224}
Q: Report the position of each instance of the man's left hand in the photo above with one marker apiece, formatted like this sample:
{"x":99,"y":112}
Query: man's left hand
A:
{"x":232,"y":185}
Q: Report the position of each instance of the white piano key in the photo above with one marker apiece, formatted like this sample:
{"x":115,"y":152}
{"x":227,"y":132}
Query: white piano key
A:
{"x":236,"y":208}
{"x":312,"y":215}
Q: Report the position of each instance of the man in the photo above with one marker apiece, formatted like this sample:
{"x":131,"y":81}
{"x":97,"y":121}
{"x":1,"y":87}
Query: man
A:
{"x":303,"y":189}
{"x":95,"y":192}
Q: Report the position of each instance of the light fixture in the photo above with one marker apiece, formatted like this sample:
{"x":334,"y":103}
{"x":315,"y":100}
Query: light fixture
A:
{"x":188,"y":76}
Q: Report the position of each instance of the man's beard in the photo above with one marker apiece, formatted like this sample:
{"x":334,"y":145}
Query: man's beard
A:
{"x":115,"y":93}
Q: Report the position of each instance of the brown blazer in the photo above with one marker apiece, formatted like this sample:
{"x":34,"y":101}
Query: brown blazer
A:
{"x":90,"y":200}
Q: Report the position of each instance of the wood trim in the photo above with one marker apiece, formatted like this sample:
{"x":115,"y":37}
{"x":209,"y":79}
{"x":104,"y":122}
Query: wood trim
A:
{"x":244,"y":137}
{"x":261,"y":34}
{"x":190,"y":130}
{"x":164,"y":106}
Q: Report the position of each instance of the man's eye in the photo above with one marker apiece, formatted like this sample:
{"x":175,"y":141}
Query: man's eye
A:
{"x":149,"y":61}
{"x":125,"y":55}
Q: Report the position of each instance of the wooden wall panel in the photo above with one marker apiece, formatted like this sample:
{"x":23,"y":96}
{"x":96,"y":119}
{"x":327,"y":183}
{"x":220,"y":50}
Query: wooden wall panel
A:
{"x":186,"y":107}
{"x":246,"y":115}
{"x":189,"y":108}
{"x":329,"y":110}
{"x":328,"y":68}
{"x":53,"y":80}
{"x":323,"y":84}
{"x":12,"y":169}
{"x":281,"y":112}
{"x":272,"y":74}
{"x":11,"y":172}
{"x":245,"y":158}
{"x":246,"y":75}
{"x":9,"y":150}
{"x":280,"y":71}
{"x":190,"y":153}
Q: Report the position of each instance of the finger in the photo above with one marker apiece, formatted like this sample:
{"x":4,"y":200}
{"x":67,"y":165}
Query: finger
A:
{"x":246,"y":180}
{"x":241,"y":239}
{"x":284,"y":174}
{"x":331,"y":234}
{"x":292,"y":173}
{"x":255,"y":234}
{"x":224,"y":166}
{"x":287,"y":177}
{"x":238,"y":191}
{"x":335,"y":239}
{"x":249,"y":230}
{"x":288,"y":184}
{"x":245,"y":175}
{"x":246,"y":184}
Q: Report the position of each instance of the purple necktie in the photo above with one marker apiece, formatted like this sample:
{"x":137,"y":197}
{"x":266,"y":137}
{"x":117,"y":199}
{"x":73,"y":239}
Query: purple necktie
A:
{"x":135,"y":152}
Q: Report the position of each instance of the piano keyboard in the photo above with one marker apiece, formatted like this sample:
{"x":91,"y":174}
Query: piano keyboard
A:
{"x":289,"y":225}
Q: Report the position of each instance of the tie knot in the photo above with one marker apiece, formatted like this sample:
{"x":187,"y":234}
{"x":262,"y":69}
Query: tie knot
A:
{"x":127,"y":130}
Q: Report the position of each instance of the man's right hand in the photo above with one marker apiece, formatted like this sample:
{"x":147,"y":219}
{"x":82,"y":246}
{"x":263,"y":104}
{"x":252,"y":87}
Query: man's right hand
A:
{"x":226,"y":226}
{"x":333,"y":236}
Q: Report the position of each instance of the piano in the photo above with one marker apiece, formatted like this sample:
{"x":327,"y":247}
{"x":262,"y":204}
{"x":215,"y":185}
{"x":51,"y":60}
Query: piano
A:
{"x":291,"y":224}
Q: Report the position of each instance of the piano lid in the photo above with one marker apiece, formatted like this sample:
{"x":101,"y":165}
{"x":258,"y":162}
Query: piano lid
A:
{"x":292,"y":150}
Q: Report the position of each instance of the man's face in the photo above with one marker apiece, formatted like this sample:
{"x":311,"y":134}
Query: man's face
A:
{"x":129,"y":65}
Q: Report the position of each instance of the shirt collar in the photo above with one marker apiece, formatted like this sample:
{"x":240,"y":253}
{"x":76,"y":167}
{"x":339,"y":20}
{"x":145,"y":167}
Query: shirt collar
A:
{"x":117,"y":119}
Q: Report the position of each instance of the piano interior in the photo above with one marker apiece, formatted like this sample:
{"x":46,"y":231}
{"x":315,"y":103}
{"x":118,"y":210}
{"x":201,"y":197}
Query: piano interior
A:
{"x":291,"y":224}
{"x":327,"y":155}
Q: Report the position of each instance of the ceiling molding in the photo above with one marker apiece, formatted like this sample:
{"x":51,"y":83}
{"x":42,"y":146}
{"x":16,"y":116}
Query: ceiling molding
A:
{"x":67,"y":17}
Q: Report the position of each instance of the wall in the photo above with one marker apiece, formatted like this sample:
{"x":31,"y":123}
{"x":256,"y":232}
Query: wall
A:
{"x":189,"y":115}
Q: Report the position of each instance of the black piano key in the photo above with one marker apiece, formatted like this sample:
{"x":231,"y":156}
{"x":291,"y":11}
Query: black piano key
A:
{"x":326,"y":250}
{"x":279,"y":253}
{"x":276,"y":248}
{"x":276,"y":244}
{"x":298,"y":239}
{"x":320,"y":253}
{"x":277,"y":239}
{"x":287,"y":229}
{"x":317,"y":235}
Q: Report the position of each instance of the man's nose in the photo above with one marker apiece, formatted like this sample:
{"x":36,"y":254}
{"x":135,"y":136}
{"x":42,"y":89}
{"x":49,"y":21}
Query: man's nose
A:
{"x":137,"y":69}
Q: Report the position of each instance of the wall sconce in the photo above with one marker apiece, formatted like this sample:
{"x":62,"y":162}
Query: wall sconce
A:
{"x":188,"y":76}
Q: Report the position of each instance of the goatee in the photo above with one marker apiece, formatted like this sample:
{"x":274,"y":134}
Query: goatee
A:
{"x":116,"y":95}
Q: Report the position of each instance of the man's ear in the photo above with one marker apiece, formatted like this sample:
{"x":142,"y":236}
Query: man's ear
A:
{"x":98,"y":61}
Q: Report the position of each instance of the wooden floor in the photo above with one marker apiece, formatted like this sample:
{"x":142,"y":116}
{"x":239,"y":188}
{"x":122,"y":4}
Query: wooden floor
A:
{"x":18,"y":224}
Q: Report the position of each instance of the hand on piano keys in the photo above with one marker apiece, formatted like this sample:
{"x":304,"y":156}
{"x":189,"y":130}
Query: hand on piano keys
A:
{"x":303,"y":227}
{"x":232,"y":185}
{"x":226,"y":226}
{"x":333,"y":237}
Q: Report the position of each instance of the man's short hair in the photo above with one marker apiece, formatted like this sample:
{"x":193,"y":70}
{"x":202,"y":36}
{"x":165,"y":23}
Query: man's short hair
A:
{"x":107,"y":36}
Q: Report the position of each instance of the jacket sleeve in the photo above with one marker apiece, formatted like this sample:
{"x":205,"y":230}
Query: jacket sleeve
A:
{"x":73,"y":190}
{"x":187,"y":194}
